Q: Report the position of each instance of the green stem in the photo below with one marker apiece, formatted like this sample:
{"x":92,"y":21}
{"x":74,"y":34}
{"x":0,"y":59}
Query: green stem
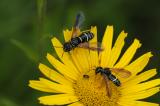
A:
{"x":41,"y":9}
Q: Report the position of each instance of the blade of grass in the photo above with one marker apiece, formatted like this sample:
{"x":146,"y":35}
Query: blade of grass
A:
{"x":41,"y":9}
{"x":30,"y":53}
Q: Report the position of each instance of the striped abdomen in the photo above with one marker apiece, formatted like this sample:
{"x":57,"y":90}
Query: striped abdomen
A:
{"x":85,"y":36}
{"x":114,"y":80}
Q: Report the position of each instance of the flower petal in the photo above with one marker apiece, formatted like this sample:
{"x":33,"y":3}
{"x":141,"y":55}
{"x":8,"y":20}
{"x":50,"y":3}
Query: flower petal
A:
{"x":76,"y":104}
{"x":57,"y":87}
{"x":141,"y":94}
{"x":128,"y":55}
{"x":94,"y":54}
{"x":61,"y":67}
{"x":139,"y":64}
{"x":107,"y":44}
{"x":66,"y":58}
{"x":41,"y":87}
{"x":137,"y":103}
{"x":141,"y":86}
{"x":67,"y":35}
{"x":53,"y":75}
{"x":117,"y":48}
{"x":81,"y":58}
{"x":76,"y":61}
{"x":140,"y":78}
{"x":60,"y":99}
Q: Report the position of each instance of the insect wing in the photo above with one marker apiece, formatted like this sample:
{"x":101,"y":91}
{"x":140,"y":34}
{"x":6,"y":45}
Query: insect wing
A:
{"x":91,"y":46}
{"x":76,"y":28}
{"x":96,"y":46}
{"x":108,"y":89}
{"x":121,"y":72}
{"x":79,"y":20}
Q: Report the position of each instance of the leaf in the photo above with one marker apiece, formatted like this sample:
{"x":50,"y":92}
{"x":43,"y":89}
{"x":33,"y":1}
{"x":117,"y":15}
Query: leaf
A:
{"x":41,"y":4}
{"x":30,"y":53}
{"x":7,"y":102}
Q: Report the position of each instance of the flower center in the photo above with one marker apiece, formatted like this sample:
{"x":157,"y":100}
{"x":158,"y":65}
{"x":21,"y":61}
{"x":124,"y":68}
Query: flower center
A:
{"x":92,"y":90}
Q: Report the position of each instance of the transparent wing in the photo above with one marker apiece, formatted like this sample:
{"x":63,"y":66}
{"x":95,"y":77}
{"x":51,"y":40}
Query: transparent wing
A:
{"x":121,"y":72}
{"x":105,"y":81}
{"x":79,"y":20}
{"x":95,"y":46}
{"x":108,"y":88}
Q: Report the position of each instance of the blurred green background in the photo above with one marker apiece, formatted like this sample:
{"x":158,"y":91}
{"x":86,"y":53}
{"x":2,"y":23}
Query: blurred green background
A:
{"x":27,"y":26}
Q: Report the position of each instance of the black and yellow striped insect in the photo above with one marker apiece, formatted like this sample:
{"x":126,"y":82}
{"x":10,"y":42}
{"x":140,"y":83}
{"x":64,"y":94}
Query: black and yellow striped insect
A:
{"x":108,"y":76}
{"x":80,"y":40}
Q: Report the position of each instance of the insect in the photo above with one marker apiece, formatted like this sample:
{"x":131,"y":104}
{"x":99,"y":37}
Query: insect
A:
{"x":76,"y":41}
{"x":107,"y":75}
{"x":82,"y":40}
{"x":85,"y":76}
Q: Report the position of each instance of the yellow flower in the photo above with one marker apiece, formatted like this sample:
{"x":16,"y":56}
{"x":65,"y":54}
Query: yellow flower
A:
{"x":68,"y":86}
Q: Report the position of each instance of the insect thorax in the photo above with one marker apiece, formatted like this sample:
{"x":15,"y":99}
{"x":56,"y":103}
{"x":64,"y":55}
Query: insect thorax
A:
{"x":75,"y":42}
{"x":107,"y":71}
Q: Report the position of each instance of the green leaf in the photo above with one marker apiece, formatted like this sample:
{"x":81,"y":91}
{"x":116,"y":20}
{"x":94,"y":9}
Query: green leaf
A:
{"x":30,"y":53}
{"x":6,"y":102}
{"x":41,"y":7}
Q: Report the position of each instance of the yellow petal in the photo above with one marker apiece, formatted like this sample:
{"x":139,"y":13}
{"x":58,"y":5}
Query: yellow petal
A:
{"x":107,"y":44}
{"x":53,"y":75}
{"x":140,"y":78}
{"x":117,"y":48}
{"x":76,"y":61}
{"x":140,"y":103}
{"x":141,"y":94}
{"x":81,"y":58}
{"x":60,"y":99}
{"x":62,"y":68}
{"x":76,"y":104}
{"x":128,"y":55}
{"x":137,"y":103}
{"x":139,"y":64}
{"x":94,"y":54}
{"x":57,"y":45}
{"x":57,"y":87}
{"x":67,"y":35}
{"x":66,"y":58}
{"x":141,"y":86}
{"x":41,"y":87}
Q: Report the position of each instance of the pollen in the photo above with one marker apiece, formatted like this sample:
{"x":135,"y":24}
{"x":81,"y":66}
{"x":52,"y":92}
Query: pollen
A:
{"x":91,"y":90}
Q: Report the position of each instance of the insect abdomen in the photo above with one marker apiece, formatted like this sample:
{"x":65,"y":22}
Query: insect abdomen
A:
{"x":114,"y":80}
{"x":86,"y":36}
